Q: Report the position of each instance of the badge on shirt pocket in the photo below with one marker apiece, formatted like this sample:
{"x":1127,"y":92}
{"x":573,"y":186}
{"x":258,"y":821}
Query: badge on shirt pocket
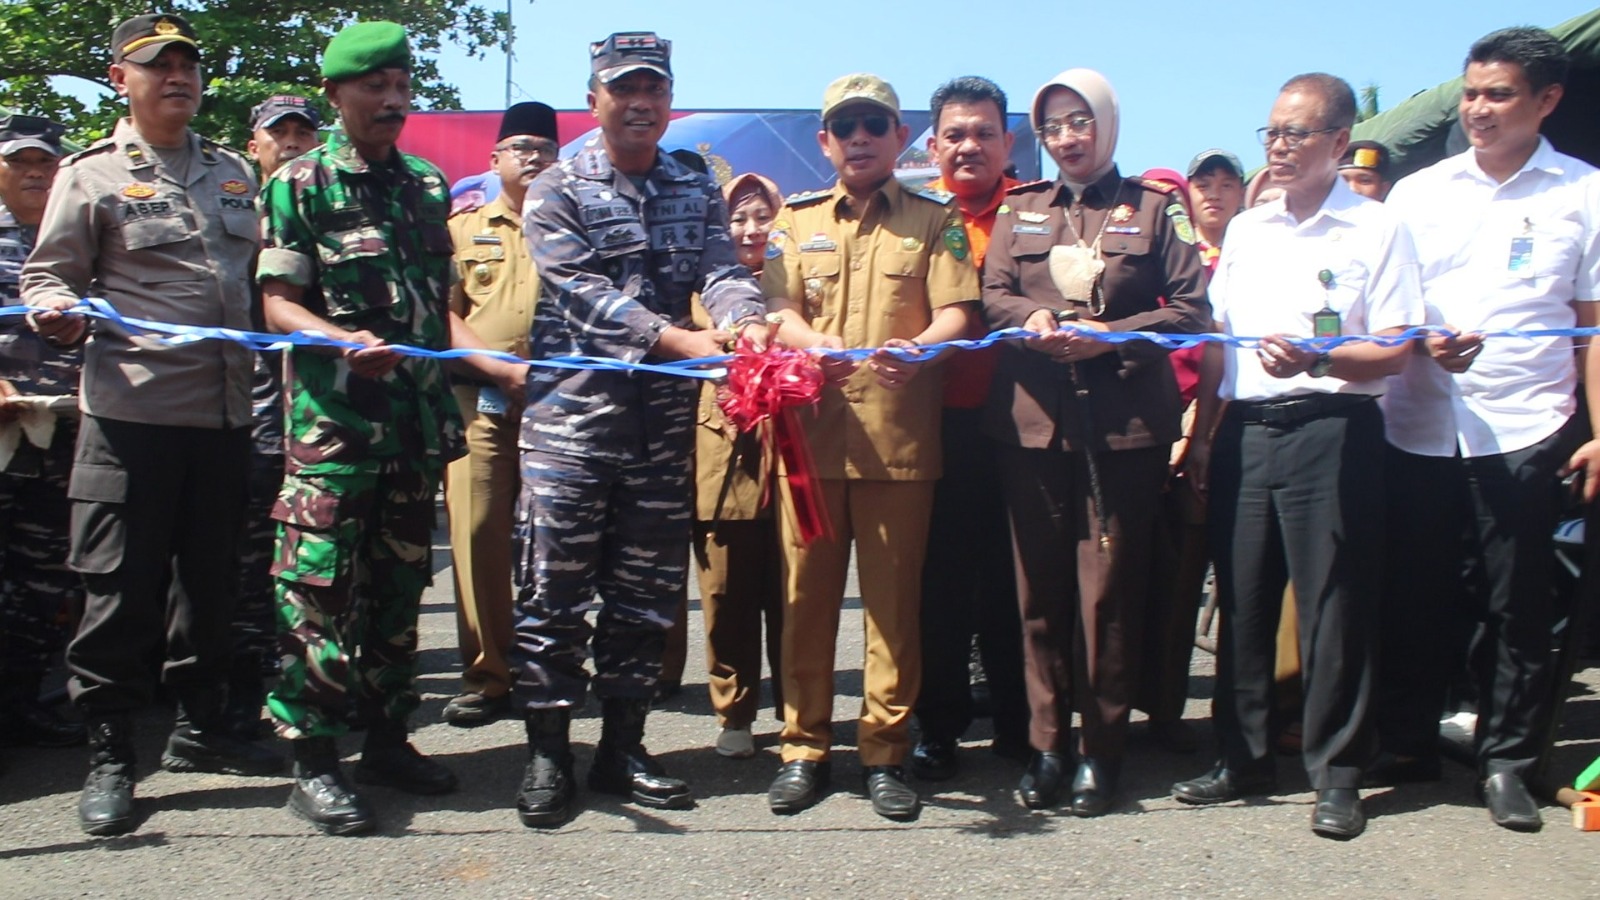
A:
{"x":1521,"y":261}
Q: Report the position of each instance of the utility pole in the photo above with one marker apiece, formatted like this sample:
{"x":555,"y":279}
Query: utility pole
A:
{"x":511,"y":33}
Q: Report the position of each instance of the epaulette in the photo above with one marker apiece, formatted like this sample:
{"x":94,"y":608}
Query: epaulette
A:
{"x":1028,"y":186}
{"x":1161,"y":187}
{"x":943,"y":198}
{"x":100,"y":146}
{"x":806,"y":197}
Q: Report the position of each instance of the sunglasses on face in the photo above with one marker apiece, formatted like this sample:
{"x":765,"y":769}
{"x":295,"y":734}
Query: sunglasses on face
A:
{"x":843,"y":127}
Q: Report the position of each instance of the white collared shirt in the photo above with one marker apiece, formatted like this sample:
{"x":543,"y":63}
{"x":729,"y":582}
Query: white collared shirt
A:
{"x":1267,"y":282}
{"x":1467,"y":227}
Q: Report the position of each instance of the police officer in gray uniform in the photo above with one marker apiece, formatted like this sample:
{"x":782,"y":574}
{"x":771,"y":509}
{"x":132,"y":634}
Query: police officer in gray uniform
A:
{"x":622,"y":236}
{"x":162,"y":224}
{"x":38,"y":426}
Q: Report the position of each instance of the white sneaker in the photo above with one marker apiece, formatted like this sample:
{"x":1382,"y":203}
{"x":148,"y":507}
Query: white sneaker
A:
{"x":736,"y":743}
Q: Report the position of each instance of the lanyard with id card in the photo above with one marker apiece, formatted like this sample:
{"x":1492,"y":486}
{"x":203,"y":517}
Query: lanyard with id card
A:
{"x":1325,"y":322}
{"x":1521,"y":261}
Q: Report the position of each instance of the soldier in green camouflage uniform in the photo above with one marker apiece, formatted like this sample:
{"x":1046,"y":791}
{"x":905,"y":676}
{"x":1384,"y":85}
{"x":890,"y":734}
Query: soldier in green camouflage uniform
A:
{"x":37,"y":590}
{"x":355,"y":245}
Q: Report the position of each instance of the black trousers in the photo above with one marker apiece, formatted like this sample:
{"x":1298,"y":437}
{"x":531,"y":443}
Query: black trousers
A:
{"x":969,"y":587}
{"x":1514,"y":504}
{"x":1301,"y":503}
{"x":1423,"y":635}
{"x":155,"y":505}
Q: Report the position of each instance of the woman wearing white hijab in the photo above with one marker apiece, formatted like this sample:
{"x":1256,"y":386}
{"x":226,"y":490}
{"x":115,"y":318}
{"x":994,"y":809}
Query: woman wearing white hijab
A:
{"x":1085,"y":425}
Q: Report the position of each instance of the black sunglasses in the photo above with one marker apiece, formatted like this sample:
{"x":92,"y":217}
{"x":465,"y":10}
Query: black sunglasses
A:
{"x":844,"y":126}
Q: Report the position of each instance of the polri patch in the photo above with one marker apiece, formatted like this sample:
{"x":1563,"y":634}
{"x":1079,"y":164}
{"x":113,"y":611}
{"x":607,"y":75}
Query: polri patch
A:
{"x":139,"y":191}
{"x":235,"y":186}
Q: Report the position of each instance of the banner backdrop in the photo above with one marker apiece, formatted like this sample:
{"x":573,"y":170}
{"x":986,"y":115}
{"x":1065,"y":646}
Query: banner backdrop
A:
{"x":780,"y":144}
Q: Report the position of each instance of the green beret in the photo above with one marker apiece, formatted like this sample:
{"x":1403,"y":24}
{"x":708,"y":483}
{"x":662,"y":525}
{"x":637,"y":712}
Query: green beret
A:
{"x":365,"y":46}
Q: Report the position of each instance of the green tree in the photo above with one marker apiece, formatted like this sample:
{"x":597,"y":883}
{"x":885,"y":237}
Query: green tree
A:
{"x":250,"y":49}
{"x":1368,"y":107}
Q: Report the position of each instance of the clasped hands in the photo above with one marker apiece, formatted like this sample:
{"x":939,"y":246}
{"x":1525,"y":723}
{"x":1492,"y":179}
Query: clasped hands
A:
{"x":1065,"y":342}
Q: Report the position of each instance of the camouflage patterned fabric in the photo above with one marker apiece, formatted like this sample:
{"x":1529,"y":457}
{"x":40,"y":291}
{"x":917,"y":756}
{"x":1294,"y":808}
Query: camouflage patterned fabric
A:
{"x":642,"y":573}
{"x":605,"y":480}
{"x":369,"y":245}
{"x":37,"y":590}
{"x":354,"y":554}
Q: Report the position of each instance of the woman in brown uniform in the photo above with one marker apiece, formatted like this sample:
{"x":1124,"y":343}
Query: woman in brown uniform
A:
{"x":735,"y":535}
{"x":1085,"y":425}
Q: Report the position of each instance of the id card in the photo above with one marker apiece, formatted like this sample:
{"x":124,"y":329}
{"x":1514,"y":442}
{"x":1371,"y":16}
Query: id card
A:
{"x":492,"y":400}
{"x":1325,"y":323}
{"x":1521,"y":262}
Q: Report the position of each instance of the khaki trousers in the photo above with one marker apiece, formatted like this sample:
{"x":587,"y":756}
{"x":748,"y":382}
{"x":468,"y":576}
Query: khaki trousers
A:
{"x":741,"y":583}
{"x":480,"y":495}
{"x":888,"y":521}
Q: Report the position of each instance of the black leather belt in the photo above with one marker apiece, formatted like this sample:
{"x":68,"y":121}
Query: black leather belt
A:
{"x":1288,"y":410}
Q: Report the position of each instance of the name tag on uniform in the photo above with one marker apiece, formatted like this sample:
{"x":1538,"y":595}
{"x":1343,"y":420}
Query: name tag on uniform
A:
{"x":1521,"y":261}
{"x":492,"y":400}
{"x":485,"y":239}
{"x":1030,"y":229}
{"x":1122,"y":229}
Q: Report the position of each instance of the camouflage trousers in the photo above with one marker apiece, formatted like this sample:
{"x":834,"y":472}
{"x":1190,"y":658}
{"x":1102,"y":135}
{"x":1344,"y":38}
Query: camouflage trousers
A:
{"x":586,"y":527}
{"x":354,"y":555}
{"x":38,"y":592}
{"x":255,"y":631}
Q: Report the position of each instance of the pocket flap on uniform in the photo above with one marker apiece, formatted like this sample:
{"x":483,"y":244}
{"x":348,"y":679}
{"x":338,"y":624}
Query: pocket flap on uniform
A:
{"x":904,"y":263}
{"x":98,"y":483}
{"x":308,"y":508}
{"x":821,"y":265}
{"x":155,"y":231}
{"x":1130,"y":244}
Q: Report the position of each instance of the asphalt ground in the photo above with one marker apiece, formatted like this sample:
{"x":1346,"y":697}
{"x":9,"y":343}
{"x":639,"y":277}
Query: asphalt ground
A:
{"x":219,"y":836}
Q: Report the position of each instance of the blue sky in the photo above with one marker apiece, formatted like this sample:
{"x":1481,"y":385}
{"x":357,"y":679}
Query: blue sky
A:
{"x":1189,"y":75}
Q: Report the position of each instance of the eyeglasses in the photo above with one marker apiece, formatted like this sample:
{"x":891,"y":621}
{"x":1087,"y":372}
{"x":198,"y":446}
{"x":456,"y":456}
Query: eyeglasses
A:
{"x":529,"y":150}
{"x":845,"y":126}
{"x":1073,"y":125}
{"x":1292,"y":137}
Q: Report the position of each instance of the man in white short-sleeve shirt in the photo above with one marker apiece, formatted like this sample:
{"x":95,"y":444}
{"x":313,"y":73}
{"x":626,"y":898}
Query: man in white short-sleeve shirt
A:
{"x":1506,"y":234}
{"x":1294,"y":468}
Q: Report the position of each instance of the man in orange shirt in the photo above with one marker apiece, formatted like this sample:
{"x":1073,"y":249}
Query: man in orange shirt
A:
{"x":968,"y":582}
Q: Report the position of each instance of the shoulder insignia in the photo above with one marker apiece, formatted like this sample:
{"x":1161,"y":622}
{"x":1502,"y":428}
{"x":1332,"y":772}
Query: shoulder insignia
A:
{"x":955,"y":239}
{"x":802,"y":199}
{"x":944,"y":198}
{"x":1180,"y":222}
{"x":95,"y":149}
{"x":208,"y":151}
{"x":1160,"y":187}
{"x":1027,"y":186}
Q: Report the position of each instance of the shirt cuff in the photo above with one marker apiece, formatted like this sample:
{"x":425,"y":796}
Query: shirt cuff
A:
{"x":285,"y":265}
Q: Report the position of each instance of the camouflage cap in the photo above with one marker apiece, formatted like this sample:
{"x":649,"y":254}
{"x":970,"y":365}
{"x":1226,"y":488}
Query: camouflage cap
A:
{"x":364,"y":47}
{"x":627,"y":51}
{"x":1228,"y":159}
{"x":860,"y":88}
{"x":142,"y":38}
{"x":19,"y":133}
{"x":273,"y":110}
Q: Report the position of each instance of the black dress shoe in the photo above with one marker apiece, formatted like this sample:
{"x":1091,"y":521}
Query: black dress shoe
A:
{"x":1338,"y":814}
{"x":799,"y":785}
{"x":330,"y":805}
{"x":934,"y":759}
{"x":1222,"y":785}
{"x":1041,"y":784}
{"x":1092,"y":788}
{"x":891,"y":797}
{"x":1510,"y":804}
{"x":1390,"y":769}
{"x":470,"y":709}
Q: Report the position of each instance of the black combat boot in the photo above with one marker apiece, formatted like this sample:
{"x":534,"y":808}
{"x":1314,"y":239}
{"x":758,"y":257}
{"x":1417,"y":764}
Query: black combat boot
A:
{"x":388,"y":759}
{"x":545,"y":798}
{"x":202,"y":742}
{"x":320,"y":794}
{"x":106,"y":805}
{"x":623,"y":767}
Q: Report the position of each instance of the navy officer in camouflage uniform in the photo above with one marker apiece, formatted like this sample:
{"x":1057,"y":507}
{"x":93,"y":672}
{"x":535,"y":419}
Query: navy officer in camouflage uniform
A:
{"x":622,"y":235}
{"x":38,"y":427}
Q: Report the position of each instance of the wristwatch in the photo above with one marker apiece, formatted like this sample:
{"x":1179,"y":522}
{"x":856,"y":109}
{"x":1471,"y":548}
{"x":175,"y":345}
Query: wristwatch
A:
{"x":1323,"y":365}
